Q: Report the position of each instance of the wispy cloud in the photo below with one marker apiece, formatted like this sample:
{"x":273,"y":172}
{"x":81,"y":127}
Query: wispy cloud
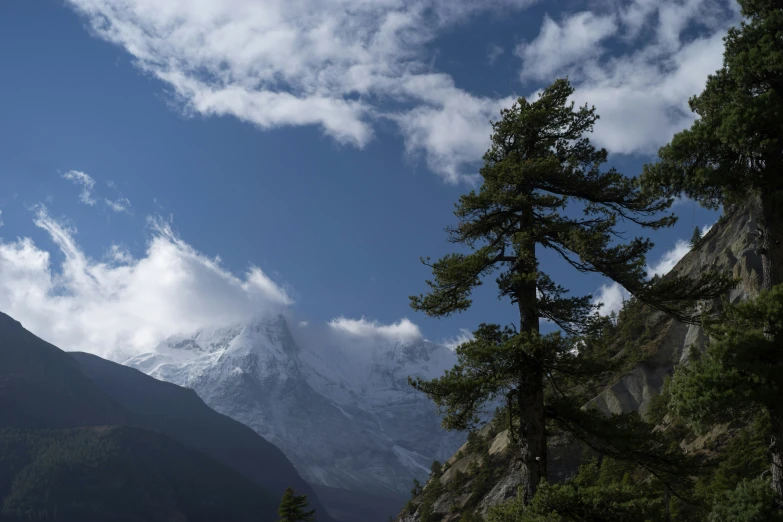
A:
{"x":88,"y":194}
{"x":462,"y":337}
{"x":495,"y":52}
{"x":120,"y":204}
{"x":86,"y":182}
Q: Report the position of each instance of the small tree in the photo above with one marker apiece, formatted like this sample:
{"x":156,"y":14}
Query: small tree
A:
{"x":292,"y":508}
{"x":417,"y":487}
{"x":696,"y":237}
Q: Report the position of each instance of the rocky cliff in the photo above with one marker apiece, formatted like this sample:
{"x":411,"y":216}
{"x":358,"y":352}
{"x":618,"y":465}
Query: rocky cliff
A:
{"x":483,"y":473}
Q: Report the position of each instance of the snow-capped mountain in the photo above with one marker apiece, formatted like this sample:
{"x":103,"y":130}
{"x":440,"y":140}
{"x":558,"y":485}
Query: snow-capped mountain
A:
{"x":343,"y":413}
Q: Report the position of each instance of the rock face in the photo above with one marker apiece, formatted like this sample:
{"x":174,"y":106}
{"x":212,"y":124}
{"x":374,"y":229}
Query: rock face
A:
{"x":345,"y":416}
{"x":728,"y":247}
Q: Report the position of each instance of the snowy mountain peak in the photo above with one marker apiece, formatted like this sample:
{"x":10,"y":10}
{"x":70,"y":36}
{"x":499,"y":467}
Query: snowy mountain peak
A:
{"x":339,"y":408}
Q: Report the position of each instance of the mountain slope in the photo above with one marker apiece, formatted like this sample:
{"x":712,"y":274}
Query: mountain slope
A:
{"x":67,"y":452}
{"x":344,"y":415}
{"x":119,"y":473}
{"x":179,"y":413}
{"x":41,"y":386}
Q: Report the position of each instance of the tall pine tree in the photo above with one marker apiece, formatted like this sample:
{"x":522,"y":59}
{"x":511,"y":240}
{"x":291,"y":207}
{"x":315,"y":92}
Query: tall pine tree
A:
{"x":542,"y":187}
{"x":734,"y":150}
{"x":293,"y":508}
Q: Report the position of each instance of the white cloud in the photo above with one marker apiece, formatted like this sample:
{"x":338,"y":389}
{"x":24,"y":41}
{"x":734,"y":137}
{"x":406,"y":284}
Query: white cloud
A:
{"x":1,"y":218}
{"x":340,"y":64}
{"x":669,"y":259}
{"x":364,"y":330}
{"x":495,"y":52}
{"x":463,"y":337}
{"x":126,"y":305}
{"x":120,"y":204}
{"x":88,"y":196}
{"x":303,"y":324}
{"x":568,"y":44}
{"x":642,"y":96}
{"x":87,"y":184}
{"x":331,"y":63}
{"x":613,"y":297}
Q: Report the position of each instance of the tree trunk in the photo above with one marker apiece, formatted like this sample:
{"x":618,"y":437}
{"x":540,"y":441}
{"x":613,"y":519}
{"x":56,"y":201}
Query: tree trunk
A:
{"x":532,"y":436}
{"x":530,"y":393}
{"x":772,"y":238}
{"x":772,"y":272}
{"x":776,"y":451}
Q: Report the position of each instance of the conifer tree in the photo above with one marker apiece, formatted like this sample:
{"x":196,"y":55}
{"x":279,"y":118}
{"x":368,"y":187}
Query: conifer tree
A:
{"x":696,"y":237}
{"x":734,"y":150}
{"x":543,"y":187}
{"x":739,"y":376}
{"x":293,"y":508}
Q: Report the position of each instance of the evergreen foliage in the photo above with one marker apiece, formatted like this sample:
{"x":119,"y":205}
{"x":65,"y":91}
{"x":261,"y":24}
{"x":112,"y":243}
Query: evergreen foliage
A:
{"x":538,"y":170}
{"x":116,"y":474}
{"x":293,"y":508}
{"x":733,"y":152}
{"x":696,"y":237}
{"x":739,"y":377}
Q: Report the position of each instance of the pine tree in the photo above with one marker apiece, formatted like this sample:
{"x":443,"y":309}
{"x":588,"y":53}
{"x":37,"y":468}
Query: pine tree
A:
{"x":734,"y":150}
{"x":696,"y":237}
{"x":540,"y":165}
{"x":739,"y":376}
{"x":292,"y":508}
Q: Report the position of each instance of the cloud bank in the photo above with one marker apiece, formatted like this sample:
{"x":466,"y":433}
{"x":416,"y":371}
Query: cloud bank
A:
{"x":124,"y":305}
{"x":344,"y":65}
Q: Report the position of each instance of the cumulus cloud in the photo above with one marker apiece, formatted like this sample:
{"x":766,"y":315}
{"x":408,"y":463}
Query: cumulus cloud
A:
{"x":340,"y":64}
{"x":331,"y":63}
{"x":558,"y":46}
{"x":612,"y":296}
{"x":669,"y":259}
{"x":366,"y":330}
{"x":86,"y":182}
{"x":124,"y":305}
{"x":641,"y":95}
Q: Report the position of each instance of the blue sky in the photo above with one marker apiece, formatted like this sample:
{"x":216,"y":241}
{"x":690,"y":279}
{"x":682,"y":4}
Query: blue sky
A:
{"x":323,"y":143}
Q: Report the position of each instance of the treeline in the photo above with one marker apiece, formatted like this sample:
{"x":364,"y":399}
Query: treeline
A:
{"x":545,"y":186}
